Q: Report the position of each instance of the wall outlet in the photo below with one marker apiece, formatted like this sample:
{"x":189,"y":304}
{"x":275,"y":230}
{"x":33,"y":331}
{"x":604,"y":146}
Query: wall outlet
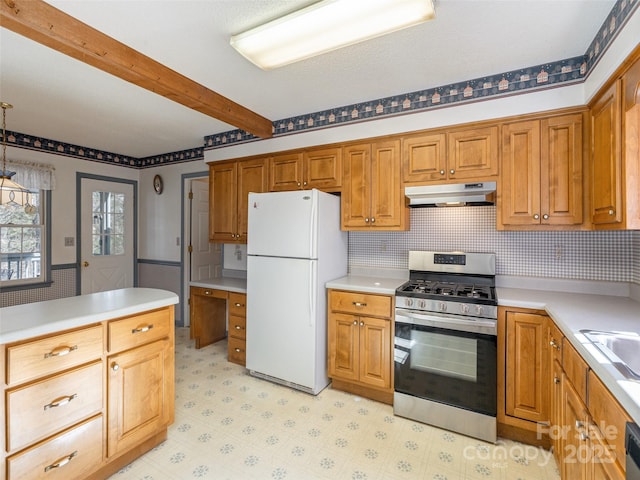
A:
{"x":69,"y":241}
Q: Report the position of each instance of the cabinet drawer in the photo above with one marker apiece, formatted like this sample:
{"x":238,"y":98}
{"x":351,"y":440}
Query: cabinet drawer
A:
{"x":52,"y":354}
{"x":39,"y":410}
{"x":138,"y":330}
{"x":237,"y":327}
{"x":238,"y":304}
{"x":360,"y":303}
{"x":575,"y":368}
{"x":237,"y":351}
{"x":73,"y":454}
{"x":208,"y":292}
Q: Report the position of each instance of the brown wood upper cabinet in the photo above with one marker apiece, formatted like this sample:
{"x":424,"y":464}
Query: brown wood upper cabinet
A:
{"x":229,"y":185}
{"x":457,"y":154}
{"x":542,"y":173}
{"x":372,"y":195}
{"x":319,"y":168}
{"x":615,"y":170}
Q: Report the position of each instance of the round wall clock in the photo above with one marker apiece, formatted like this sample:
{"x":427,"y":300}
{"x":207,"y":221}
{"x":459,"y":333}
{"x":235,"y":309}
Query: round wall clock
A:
{"x":157,"y":184}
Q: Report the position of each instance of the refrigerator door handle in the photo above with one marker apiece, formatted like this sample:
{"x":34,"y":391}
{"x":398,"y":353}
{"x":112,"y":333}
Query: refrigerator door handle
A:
{"x":313,"y":278}
{"x":313,"y":224}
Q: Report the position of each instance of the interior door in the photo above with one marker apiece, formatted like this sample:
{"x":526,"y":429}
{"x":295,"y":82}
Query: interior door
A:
{"x":106,"y":235}
{"x":204,"y":257}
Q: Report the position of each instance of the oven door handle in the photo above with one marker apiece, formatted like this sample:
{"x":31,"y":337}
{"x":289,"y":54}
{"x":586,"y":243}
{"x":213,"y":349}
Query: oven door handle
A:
{"x":463,"y":324}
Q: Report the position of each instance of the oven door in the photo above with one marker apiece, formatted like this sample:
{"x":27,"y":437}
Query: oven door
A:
{"x":447,"y":360}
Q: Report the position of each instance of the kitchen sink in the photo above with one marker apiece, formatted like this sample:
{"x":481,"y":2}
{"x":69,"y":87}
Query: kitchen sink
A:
{"x":622,"y":349}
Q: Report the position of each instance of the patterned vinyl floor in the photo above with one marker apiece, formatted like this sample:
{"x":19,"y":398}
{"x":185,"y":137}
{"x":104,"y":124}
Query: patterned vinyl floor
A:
{"x":230,"y":425}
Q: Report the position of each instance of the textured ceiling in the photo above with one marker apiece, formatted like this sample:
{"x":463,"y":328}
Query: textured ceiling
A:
{"x":59,"y":98}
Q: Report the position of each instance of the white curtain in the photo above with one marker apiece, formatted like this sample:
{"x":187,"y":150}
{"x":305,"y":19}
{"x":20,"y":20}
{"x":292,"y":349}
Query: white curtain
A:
{"x":33,"y":175}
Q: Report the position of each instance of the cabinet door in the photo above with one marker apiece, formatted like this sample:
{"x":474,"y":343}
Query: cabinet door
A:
{"x":606,"y":161}
{"x":208,"y":315}
{"x":285,"y":172}
{"x":561,"y":170}
{"x":424,"y":158}
{"x":388,"y":208}
{"x":527,"y":387}
{"x":323,"y":169}
{"x":140,"y":394}
{"x":473,"y":153}
{"x":556,"y":427}
{"x":252,"y":177}
{"x":575,"y":447}
{"x":343,"y":345}
{"x":375,"y":352}
{"x":223,"y":202}
{"x":520,"y":179}
{"x":356,"y":192}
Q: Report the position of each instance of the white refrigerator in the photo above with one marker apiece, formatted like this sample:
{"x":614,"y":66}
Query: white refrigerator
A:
{"x":294,"y":247}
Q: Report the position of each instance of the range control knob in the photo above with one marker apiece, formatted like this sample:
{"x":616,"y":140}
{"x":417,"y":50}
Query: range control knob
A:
{"x":408,"y":302}
{"x":479,"y":310}
{"x":422,"y":304}
{"x":442,"y":307}
{"x":464,"y":308}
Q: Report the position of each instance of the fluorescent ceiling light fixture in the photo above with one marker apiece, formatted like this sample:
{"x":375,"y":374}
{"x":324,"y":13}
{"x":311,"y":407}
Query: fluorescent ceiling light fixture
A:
{"x":325,"y":26}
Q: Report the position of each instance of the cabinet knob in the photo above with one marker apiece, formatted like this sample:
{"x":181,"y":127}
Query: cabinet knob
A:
{"x":584,"y":436}
{"x":553,"y":344}
{"x":556,"y":380}
{"x":579,"y":424}
{"x":612,"y":212}
{"x":373,"y":219}
{"x":115,"y":367}
{"x":362,"y":324}
{"x":304,"y":183}
{"x":366,"y":220}
{"x":452,"y":171}
{"x":298,"y":183}
{"x":545,"y":217}
{"x":238,"y":327}
{"x":238,"y":350}
{"x":441,"y":172}
{"x":238,"y":305}
{"x":207,"y":292}
{"x":355,"y":322}
{"x":536,"y":216}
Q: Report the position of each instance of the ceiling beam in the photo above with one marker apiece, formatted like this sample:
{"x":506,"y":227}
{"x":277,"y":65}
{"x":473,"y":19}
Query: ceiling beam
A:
{"x":45,"y":24}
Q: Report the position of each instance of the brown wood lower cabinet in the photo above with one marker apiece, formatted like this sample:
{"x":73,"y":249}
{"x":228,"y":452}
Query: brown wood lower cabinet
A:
{"x":237,"y":346}
{"x":360,"y":344}
{"x":83,"y":403}
{"x":548,"y":395}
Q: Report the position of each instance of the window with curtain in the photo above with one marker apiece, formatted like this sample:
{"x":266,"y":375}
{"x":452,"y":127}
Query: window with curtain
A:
{"x":23,"y":229}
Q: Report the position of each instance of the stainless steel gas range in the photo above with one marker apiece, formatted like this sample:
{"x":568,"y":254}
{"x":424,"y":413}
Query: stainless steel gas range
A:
{"x":446,"y":341}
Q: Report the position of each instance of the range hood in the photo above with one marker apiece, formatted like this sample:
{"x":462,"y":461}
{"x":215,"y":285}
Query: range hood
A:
{"x":455,"y":194}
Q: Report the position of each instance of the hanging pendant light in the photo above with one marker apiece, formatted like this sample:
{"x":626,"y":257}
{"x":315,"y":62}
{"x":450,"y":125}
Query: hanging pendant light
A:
{"x":11,"y":193}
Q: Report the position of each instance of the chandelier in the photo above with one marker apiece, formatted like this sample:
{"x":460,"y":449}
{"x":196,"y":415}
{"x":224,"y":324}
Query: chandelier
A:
{"x":11,"y":193}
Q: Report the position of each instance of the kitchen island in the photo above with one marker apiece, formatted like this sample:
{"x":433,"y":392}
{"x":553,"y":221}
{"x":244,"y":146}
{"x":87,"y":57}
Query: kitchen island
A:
{"x":102,"y":365}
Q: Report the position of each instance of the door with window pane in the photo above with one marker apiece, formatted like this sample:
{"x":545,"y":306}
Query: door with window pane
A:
{"x":107,"y":257}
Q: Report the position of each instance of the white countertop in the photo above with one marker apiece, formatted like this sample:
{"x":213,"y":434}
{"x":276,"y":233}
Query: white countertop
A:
{"x":231,"y":284}
{"x":573,"y":312}
{"x":21,"y":322}
{"x":371,"y":280}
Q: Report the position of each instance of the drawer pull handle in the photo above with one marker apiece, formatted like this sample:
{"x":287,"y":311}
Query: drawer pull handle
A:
{"x":359,"y":304}
{"x":60,"y":351}
{"x":62,"y":462}
{"x":115,"y":367}
{"x":59,"y":402}
{"x":238,"y":327}
{"x":146,"y":328}
{"x":238,"y":350}
{"x":238,"y":304}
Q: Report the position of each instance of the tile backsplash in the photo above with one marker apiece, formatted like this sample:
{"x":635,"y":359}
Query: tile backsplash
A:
{"x":605,"y":256}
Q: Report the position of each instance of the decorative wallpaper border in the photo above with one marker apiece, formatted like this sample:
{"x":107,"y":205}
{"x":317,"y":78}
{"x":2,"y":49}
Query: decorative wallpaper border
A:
{"x":543,"y":76}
